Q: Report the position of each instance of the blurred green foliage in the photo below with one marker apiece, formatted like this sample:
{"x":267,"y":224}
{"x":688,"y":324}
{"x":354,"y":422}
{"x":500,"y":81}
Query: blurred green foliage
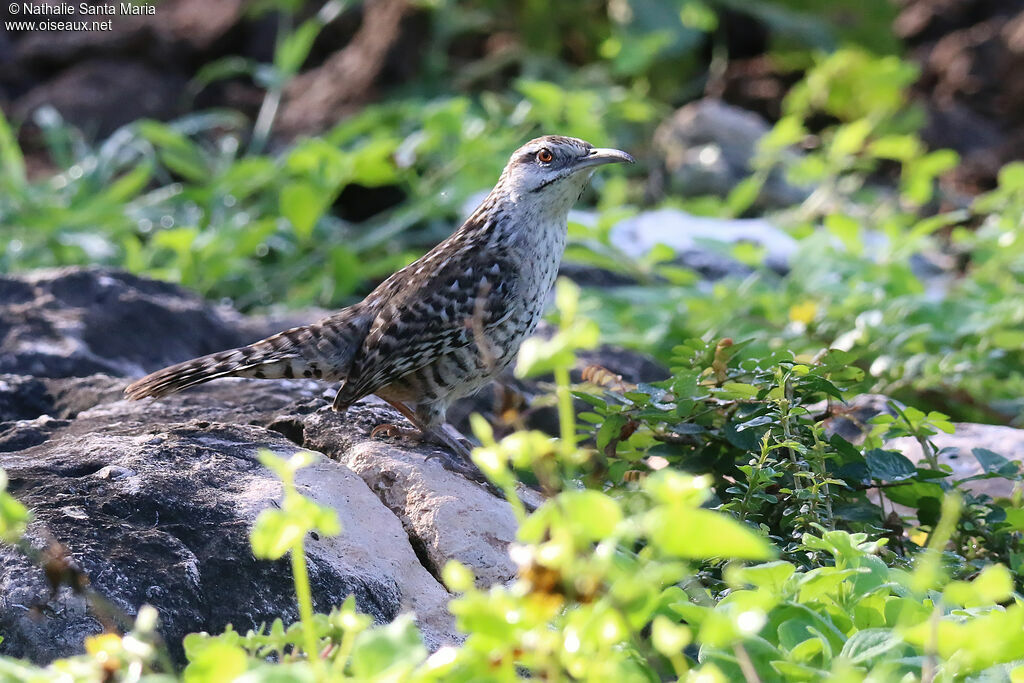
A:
{"x":637,"y":567}
{"x":637,"y":579}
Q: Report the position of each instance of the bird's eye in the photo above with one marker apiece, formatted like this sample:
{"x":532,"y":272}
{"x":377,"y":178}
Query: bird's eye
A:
{"x":545,"y":156}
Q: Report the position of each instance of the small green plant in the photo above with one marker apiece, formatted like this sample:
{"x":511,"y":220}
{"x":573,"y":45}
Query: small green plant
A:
{"x":641,"y":579}
{"x":13,"y":515}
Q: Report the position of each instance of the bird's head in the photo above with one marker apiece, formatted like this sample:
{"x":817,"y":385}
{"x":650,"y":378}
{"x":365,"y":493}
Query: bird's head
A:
{"x":553,"y":169}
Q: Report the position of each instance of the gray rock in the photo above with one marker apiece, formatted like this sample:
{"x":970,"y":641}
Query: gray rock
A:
{"x":957,"y":451}
{"x":152,"y":501}
{"x":701,"y":242}
{"x":431,"y":500}
{"x":74,"y":322}
{"x":852,"y":422}
{"x":101,"y":95}
{"x":153,"y":504}
{"x":23,"y":398}
{"x":707,"y":147}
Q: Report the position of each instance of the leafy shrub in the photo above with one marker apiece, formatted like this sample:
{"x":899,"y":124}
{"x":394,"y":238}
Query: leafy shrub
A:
{"x":708,"y":526}
{"x":639,"y":580}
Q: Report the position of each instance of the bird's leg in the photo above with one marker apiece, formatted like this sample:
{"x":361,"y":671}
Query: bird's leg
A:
{"x":446,"y":435}
{"x":428,"y":420}
{"x":392,"y":430}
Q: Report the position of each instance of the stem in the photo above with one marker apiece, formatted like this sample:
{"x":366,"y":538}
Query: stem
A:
{"x":265,"y":120}
{"x":926,"y":446}
{"x":754,"y":480}
{"x":823,"y":473}
{"x":566,"y":416}
{"x":305,"y":598}
{"x":786,"y":405}
{"x":746,"y":666}
{"x":344,"y":651}
{"x":272,"y":100}
{"x":931,"y":647}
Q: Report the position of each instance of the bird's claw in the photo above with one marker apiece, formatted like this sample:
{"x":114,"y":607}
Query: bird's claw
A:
{"x":390,"y":431}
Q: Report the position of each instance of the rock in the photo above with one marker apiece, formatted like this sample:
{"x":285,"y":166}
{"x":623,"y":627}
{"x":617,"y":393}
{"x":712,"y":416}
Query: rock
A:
{"x":82,"y":321}
{"x":152,"y":501}
{"x":957,"y":451}
{"x":101,"y":95}
{"x":707,"y":148}
{"x":446,"y":516}
{"x":158,"y":512}
{"x":23,"y":398}
{"x":851,"y":421}
{"x":693,"y":237}
{"x":700,"y":242}
{"x":72,"y":395}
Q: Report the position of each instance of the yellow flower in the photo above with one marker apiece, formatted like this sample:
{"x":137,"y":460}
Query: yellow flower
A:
{"x":104,"y":648}
{"x":803,"y":312}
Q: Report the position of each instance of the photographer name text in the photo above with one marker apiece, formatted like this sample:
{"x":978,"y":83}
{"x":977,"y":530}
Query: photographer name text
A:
{"x":64,"y":9}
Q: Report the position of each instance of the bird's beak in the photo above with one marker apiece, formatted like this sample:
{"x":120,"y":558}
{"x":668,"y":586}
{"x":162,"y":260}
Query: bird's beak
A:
{"x":599,"y":156}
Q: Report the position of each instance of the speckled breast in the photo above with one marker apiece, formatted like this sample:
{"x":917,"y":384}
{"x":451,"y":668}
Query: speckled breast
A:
{"x":537,"y":253}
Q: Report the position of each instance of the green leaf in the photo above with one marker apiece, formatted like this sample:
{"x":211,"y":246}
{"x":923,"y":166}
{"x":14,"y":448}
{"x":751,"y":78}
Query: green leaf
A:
{"x":769,"y":576}
{"x":274,"y":533}
{"x":222,"y":69}
{"x":175,"y":150}
{"x":758,"y":421}
{"x":847,"y":230}
{"x":868,"y":645}
{"x":797,"y":672}
{"x":695,"y":533}
{"x":388,"y":653}
{"x":993,"y":585}
{"x":211,"y":661}
{"x":292,"y":52}
{"x":993,"y":463}
{"x":129,"y":185}
{"x":896,"y":147}
{"x":302,"y":204}
{"x":611,"y":429}
{"x":849,"y":139}
{"x":12,"y":163}
{"x":738,"y":391}
{"x":373,"y":164}
{"x":668,"y":637}
{"x":743,"y":195}
{"x":13,"y":515}
{"x":592,"y":515}
{"x":889,"y":465}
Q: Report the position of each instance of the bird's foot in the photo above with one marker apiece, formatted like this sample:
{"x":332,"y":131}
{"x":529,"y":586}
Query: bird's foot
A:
{"x":449,"y":437}
{"x":390,"y":431}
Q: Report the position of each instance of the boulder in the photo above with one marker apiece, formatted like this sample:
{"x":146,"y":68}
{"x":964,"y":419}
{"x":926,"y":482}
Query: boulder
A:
{"x":707,"y":147}
{"x":74,"y":322}
{"x":101,"y":95}
{"x":702,"y":243}
{"x":151,"y":502}
{"x":957,"y":450}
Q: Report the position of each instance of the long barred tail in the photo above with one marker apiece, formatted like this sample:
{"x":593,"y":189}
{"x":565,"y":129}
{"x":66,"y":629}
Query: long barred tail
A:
{"x":323,"y":350}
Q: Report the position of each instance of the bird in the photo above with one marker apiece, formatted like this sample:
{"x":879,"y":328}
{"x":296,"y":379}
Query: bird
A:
{"x":444,"y":326}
